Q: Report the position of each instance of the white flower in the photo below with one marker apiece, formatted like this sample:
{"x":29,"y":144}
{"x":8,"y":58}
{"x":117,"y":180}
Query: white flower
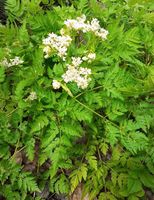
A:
{"x":11,"y":62}
{"x":70,"y":75}
{"x":16,"y":61}
{"x":91,"y":56}
{"x":102,"y":33}
{"x":80,"y":24}
{"x":84,"y":71}
{"x":76,"y":61}
{"x":95,"y":25}
{"x":58,"y":43}
{"x":56,"y":84}
{"x":85,"y":58}
{"x":32,"y":96}
{"x":82,"y":18}
{"x":82,"y":82}
{"x":80,"y":77}
{"x":74,"y":24}
{"x":77,"y":74}
{"x":62,"y":51}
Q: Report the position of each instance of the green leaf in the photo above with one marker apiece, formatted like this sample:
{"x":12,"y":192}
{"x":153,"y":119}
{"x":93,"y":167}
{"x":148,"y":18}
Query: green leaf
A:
{"x":23,"y":33}
{"x":30,"y":149}
{"x":39,"y":123}
{"x":58,"y":69}
{"x":135,"y":141}
{"x":2,"y":74}
{"x":104,"y":148}
{"x":77,"y":176}
{"x":133,"y":186}
{"x":106,"y":196}
{"x":71,"y":129}
{"x":27,"y":183}
{"x":147,"y":179}
{"x":112,"y":133}
{"x":92,"y":160}
{"x":114,"y":176}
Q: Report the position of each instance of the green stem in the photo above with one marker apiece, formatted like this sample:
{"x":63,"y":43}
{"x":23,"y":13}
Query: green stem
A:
{"x":9,"y":114}
{"x":75,"y":98}
{"x":89,"y":109}
{"x":88,"y":91}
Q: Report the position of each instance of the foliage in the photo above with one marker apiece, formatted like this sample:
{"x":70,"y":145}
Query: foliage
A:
{"x":102,"y":136}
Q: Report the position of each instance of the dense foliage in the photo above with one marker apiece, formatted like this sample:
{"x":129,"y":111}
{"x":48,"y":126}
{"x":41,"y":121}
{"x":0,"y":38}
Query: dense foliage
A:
{"x":100,"y":136}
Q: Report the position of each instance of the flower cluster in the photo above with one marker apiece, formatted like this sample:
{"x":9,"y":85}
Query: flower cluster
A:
{"x":89,"y":58}
{"x":77,"y":74}
{"x":58,"y":43}
{"x":11,"y":62}
{"x":32,"y":96}
{"x":56,"y":84}
{"x":80,"y":24}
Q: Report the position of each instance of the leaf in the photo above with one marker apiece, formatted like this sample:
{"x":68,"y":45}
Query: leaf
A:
{"x":58,"y":69}
{"x":150,"y":166}
{"x":147,"y":179}
{"x":112,"y":133}
{"x":70,"y":128}
{"x":106,"y":196}
{"x":83,"y":169}
{"x":27,"y":183}
{"x":4,"y":150}
{"x":133,"y":198}
{"x":104,"y":148}
{"x":30,"y":149}
{"x":116,"y":153}
{"x":133,"y":186}
{"x":49,"y":135}
{"x":135,"y":141}
{"x":61,"y":185}
{"x":79,"y":112}
{"x":92,"y":160}
{"x":74,"y":183}
{"x":114,"y":176}
{"x":2,"y":74}
{"x":122,"y":178}
{"x":20,"y":87}
{"x":39,"y":123}
{"x":77,"y":176}
{"x":23,"y":33}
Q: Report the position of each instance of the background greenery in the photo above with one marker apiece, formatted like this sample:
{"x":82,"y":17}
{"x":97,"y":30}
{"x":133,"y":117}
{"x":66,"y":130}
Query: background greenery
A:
{"x":103,"y":136}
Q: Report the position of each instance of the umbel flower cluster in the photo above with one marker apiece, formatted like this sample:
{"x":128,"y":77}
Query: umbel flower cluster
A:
{"x":77,"y":74}
{"x":11,"y":62}
{"x":59,"y":44}
{"x":80,"y":24}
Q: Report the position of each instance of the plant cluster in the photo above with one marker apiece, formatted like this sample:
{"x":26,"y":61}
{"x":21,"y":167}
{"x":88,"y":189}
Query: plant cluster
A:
{"x":60,"y":44}
{"x":76,"y":99}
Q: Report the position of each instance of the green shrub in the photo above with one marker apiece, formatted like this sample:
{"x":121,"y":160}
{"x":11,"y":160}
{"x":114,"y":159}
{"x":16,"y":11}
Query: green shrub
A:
{"x":58,"y":136}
